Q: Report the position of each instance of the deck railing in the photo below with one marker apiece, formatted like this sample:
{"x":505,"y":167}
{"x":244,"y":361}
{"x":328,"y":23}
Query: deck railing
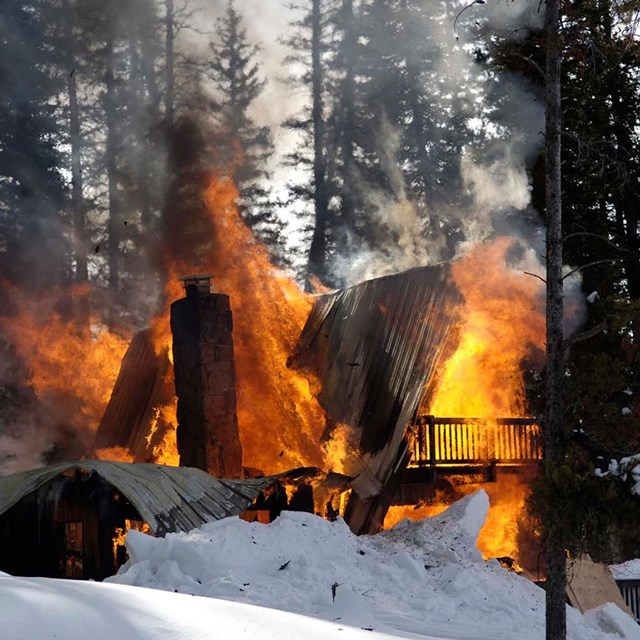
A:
{"x":630,"y":590}
{"x":464,"y":441}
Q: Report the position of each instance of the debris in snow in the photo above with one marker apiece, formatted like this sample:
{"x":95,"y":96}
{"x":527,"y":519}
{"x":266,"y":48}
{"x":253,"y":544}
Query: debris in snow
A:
{"x":592,"y":297}
{"x":387,"y":588}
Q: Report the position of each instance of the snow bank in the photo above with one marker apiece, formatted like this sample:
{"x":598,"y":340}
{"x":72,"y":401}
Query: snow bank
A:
{"x":422,"y":577}
{"x":611,"y":619}
{"x":42,"y":609}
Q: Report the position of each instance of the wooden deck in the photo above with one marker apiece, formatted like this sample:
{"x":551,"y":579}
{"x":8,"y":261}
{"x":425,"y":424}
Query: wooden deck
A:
{"x":442,"y":442}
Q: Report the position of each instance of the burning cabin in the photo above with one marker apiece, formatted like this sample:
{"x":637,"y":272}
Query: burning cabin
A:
{"x":69,"y":520}
{"x":377,"y":349}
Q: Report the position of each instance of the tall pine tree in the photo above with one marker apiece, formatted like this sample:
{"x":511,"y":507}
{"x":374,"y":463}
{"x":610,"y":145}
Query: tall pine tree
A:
{"x":249,"y":146}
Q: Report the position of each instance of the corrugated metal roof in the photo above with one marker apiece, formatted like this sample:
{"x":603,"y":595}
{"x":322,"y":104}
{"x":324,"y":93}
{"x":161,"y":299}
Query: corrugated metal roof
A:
{"x":167,"y":498}
{"x":375,"y":348}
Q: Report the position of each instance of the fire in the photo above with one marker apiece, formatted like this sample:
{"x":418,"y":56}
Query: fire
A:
{"x":73,"y":363}
{"x":115,"y":454}
{"x":280,"y":420}
{"x":161,"y":439}
{"x":503,"y":323}
{"x":501,"y":536}
{"x":72,"y":360}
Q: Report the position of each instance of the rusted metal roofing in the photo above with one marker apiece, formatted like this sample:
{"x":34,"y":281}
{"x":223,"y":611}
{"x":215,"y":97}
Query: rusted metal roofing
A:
{"x":169,"y":499}
{"x":375,"y":348}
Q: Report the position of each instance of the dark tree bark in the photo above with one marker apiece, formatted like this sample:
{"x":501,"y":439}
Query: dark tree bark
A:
{"x":556,"y":622}
{"x":349,"y":117}
{"x":77,"y":200}
{"x":418,"y":117}
{"x":169,"y":97}
{"x":115,"y":213}
{"x":318,"y":250}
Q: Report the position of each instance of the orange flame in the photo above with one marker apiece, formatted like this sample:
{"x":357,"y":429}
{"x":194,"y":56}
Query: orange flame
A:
{"x":279,"y":417}
{"x":500,"y":537}
{"x":72,"y":361}
{"x":115,"y":454}
{"x":503,"y":323}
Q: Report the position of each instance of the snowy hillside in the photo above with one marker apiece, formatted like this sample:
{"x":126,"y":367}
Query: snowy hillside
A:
{"x":424,"y":577}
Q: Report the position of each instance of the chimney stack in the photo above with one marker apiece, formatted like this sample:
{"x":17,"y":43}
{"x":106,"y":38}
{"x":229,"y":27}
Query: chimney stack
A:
{"x":202,"y":325}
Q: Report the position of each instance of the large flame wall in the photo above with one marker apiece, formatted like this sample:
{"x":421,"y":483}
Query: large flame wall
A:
{"x":503,"y":324}
{"x":279,"y":417}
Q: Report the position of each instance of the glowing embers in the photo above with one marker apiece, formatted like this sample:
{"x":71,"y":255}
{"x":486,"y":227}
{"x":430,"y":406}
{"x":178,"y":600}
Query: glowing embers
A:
{"x":119,"y":539}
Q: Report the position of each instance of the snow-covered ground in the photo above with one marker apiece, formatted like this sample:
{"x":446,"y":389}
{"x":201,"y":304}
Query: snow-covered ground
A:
{"x":305,"y":579}
{"x":41,"y":609}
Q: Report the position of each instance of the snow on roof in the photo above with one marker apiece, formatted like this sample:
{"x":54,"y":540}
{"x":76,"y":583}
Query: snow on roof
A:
{"x":168,"y":498}
{"x":627,"y":571}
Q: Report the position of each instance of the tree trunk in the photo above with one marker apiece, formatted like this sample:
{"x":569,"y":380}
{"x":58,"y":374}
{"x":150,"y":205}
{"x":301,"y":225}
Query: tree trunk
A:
{"x":170,"y":79}
{"x":115,"y":213}
{"x":348,"y":124}
{"x":80,"y":244}
{"x":556,"y":622}
{"x":318,"y":249}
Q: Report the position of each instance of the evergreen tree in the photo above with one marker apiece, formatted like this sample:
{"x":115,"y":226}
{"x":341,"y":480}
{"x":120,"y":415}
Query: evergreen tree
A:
{"x":249,"y":147}
{"x":33,"y":246}
{"x":310,"y":52}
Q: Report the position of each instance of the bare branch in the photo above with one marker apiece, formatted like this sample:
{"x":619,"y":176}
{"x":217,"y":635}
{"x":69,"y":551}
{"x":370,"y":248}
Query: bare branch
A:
{"x":592,"y":264}
{"x":532,"y":62}
{"x":535,"y":275}
{"x":603,"y":326}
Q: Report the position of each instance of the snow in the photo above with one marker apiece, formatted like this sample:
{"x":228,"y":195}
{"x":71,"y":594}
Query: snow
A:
{"x":627,"y":571}
{"x":301,"y":577}
{"x":421,"y":579}
{"x":627,"y":467}
{"x":612,"y":619}
{"x":592,"y":297}
{"x":43,"y":609}
{"x":626,"y":411}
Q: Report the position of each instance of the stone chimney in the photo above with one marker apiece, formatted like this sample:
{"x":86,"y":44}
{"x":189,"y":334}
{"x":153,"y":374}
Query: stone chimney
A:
{"x":202,"y":325}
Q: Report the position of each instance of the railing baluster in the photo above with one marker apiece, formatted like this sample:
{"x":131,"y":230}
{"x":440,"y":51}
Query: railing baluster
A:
{"x":474,"y":441}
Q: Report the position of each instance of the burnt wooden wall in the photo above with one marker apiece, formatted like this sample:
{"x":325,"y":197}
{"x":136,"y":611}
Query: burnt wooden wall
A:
{"x":141,"y":387}
{"x":32,"y":540}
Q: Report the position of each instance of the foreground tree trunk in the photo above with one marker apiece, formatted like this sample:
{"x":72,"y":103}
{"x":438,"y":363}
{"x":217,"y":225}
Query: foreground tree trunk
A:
{"x":556,"y":622}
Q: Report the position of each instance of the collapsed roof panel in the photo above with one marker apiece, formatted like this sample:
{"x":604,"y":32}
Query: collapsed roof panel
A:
{"x":169,"y":499}
{"x":376,"y":347}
